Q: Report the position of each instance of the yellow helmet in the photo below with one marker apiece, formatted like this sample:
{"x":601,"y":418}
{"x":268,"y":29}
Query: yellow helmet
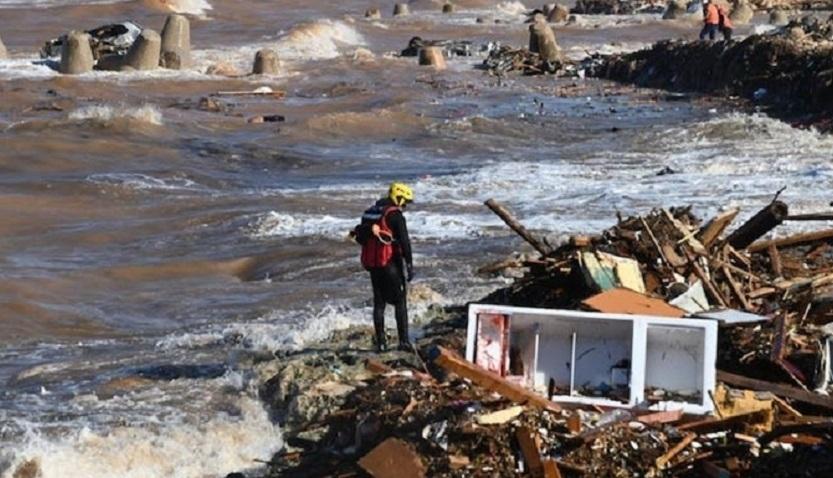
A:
{"x":400,"y":194}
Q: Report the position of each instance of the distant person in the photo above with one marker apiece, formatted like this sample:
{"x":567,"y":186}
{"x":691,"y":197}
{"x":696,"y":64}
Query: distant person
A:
{"x":711,"y":20}
{"x":726,"y":24}
{"x":383,"y":235}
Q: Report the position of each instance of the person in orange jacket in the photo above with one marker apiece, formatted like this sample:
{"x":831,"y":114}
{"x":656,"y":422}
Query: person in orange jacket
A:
{"x":711,"y":20}
{"x":726,"y":25}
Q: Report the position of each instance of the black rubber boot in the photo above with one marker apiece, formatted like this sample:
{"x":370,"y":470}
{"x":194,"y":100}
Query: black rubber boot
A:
{"x":402,"y":326}
{"x":380,"y":341}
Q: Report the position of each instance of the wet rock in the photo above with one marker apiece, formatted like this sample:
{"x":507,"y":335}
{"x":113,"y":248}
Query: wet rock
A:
{"x":212,"y":105}
{"x":373,"y":14}
{"x":121,"y":386}
{"x":110,"y":62}
{"x":266,"y":119}
{"x":779,"y":18}
{"x":223,"y":69}
{"x":76,"y":54}
{"x":4,"y":54}
{"x":29,"y":469}
{"x":742,"y":13}
{"x":266,"y":62}
{"x":176,"y":43}
{"x":449,"y":8}
{"x":668,"y":170}
{"x":558,"y":14}
{"x":145,"y":52}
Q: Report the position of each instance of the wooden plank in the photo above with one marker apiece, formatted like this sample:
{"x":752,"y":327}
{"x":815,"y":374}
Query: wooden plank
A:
{"x":794,"y":240}
{"x":714,"y":228}
{"x":715,"y":424}
{"x":670,"y":416}
{"x":822,"y":428}
{"x":491,"y":381}
{"x":551,"y":469}
{"x":819,"y":216}
{"x":776,"y":388}
{"x":736,"y":289}
{"x":710,"y":288}
{"x":516,"y":226}
{"x":775,"y":260}
{"x":530,"y":451}
{"x":670,"y":454}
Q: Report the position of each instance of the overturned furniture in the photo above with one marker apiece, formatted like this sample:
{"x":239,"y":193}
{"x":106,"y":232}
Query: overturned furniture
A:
{"x":598,"y":359}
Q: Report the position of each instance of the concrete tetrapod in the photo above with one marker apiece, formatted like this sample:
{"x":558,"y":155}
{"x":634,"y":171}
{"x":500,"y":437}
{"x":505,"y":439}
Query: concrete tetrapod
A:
{"x":266,"y":62}
{"x":558,"y":14}
{"x":144,"y":54}
{"x":76,"y":54}
{"x":401,"y":9}
{"x":176,"y":43}
{"x":3,"y":52}
{"x":432,"y":56}
{"x":448,"y":8}
{"x":373,"y":14}
{"x":542,"y":41}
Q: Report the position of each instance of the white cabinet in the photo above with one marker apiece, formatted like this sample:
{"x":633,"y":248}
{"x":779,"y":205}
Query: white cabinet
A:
{"x":605,"y":359}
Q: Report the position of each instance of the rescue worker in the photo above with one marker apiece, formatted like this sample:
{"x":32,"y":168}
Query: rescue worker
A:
{"x":383,"y":234}
{"x":711,"y":20}
{"x":726,"y":25}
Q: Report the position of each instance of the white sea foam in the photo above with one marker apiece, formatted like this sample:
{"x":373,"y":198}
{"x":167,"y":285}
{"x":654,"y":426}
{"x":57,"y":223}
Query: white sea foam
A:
{"x":142,"y":182}
{"x":148,"y":114}
{"x":191,"y":7}
{"x":211,"y":444}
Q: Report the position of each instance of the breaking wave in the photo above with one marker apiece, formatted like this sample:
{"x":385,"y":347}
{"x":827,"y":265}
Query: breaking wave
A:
{"x":190,"y":7}
{"x":208,"y":445}
{"x":319,"y":40}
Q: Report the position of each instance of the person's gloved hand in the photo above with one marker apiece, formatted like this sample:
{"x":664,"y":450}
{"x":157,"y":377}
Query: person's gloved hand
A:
{"x":410,"y":272}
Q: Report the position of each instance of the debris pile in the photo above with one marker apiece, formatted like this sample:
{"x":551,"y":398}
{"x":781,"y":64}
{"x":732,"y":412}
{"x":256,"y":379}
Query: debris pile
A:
{"x":618,"y":7}
{"x":788,"y":70}
{"x":433,"y":413}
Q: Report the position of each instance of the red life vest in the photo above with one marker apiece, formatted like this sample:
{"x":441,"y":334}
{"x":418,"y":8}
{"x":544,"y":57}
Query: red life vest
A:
{"x":375,"y":251}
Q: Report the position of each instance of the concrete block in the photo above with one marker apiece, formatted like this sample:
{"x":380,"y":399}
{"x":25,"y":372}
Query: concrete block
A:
{"x":432,"y":56}
{"x":401,"y":9}
{"x":176,"y":43}
{"x":76,"y":54}
{"x":4,"y":54}
{"x":542,"y":41}
{"x":145,"y":52}
{"x":266,"y":63}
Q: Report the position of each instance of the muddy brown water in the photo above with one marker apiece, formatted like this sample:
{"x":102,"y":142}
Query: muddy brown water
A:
{"x":152,"y":250}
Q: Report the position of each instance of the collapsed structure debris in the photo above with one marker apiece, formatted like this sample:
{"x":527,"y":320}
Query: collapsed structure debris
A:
{"x":439,"y":414}
{"x":114,"y":38}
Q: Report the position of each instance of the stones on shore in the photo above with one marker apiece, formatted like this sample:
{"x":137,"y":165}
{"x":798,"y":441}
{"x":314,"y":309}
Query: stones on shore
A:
{"x":76,"y":54}
{"x":373,"y":14}
{"x":4,"y":54}
{"x":401,"y":9}
{"x":266,"y":62}
{"x":542,"y":41}
{"x":432,"y":56}
{"x":742,"y":13}
{"x":176,"y":43}
{"x":145,"y":52}
{"x":779,"y":18}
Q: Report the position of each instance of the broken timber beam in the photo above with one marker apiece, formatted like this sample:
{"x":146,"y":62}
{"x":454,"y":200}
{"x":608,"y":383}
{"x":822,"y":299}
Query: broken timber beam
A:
{"x":777,"y":389}
{"x":795,"y":240}
{"x":530,"y":451}
{"x":761,"y":223}
{"x":712,"y":231}
{"x":822,"y":428}
{"x":516,"y":226}
{"x":823,"y":216}
{"x":490,"y":381}
{"x":667,"y":457}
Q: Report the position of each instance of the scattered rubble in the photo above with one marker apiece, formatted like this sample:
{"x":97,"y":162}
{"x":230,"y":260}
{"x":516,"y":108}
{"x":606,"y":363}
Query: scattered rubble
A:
{"x":347,"y":411}
{"x":618,"y":7}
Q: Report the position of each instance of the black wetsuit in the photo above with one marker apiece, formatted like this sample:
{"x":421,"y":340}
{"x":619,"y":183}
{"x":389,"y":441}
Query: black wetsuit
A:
{"x":389,"y":281}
